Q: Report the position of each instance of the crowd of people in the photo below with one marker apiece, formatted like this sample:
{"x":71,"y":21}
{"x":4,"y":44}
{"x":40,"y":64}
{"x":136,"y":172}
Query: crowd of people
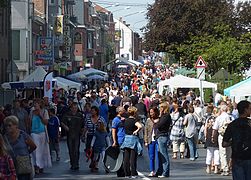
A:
{"x":126,"y":112}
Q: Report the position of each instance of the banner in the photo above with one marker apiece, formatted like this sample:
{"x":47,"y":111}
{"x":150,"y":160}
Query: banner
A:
{"x":48,"y":85}
{"x":45,"y":55}
{"x":58,"y":25}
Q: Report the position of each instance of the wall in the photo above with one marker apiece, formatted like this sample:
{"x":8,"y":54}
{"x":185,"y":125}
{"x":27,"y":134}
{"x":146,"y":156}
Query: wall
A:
{"x":125,"y":40}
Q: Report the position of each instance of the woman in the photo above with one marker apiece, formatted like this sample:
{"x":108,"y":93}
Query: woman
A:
{"x":190,"y":121}
{"x":177,"y":132}
{"x":7,"y":169}
{"x":39,"y":120}
{"x":162,"y":136}
{"x":90,"y":128}
{"x":21,"y":144}
{"x":149,"y":138}
{"x":131,"y":144}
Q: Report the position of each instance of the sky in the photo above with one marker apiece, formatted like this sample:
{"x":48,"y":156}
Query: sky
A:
{"x":131,"y":11}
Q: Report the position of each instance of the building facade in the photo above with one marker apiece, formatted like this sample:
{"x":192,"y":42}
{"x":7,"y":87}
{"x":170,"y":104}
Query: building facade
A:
{"x":124,"y":35}
{"x":4,"y":41}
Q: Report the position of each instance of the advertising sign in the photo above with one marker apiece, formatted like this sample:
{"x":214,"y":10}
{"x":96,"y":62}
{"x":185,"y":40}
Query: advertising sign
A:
{"x":45,"y":54}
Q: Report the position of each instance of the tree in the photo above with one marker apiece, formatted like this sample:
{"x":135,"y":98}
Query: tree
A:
{"x":171,"y":21}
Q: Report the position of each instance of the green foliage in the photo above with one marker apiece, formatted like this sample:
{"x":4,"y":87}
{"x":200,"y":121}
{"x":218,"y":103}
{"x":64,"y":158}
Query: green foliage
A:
{"x":216,"y":30}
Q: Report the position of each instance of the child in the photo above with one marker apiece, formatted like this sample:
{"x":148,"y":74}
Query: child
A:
{"x":53,"y":133}
{"x":7,"y":168}
{"x":212,"y":148}
{"x":98,"y":144}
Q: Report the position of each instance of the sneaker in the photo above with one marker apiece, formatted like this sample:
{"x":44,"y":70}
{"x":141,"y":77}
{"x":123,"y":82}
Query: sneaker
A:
{"x":134,"y":177}
{"x":162,"y":176}
{"x":58,"y":159}
{"x":151,"y":174}
{"x":225,"y":173}
{"x":192,"y":159}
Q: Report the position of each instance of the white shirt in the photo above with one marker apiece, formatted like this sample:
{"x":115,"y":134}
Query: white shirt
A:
{"x":220,"y":120}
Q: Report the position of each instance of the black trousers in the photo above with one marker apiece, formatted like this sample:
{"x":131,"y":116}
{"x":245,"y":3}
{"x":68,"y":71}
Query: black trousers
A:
{"x":130,"y":162}
{"x":73,"y":144}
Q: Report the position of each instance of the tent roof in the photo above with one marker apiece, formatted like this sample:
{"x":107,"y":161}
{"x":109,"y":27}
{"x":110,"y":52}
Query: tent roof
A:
{"x":227,"y":90}
{"x":242,"y":90}
{"x":35,"y":76}
{"x":67,"y":84}
{"x":180,"y":81}
{"x":221,"y":74}
{"x":82,"y":75}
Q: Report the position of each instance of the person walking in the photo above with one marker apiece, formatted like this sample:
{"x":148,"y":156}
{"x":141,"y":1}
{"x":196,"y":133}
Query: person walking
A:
{"x":177,"y":135}
{"x":39,"y":120}
{"x":150,"y":141}
{"x":20,"y":146}
{"x":212,"y":147}
{"x":238,"y":136}
{"x":221,"y":122}
{"x":73,"y":123}
{"x":162,"y":136}
{"x":118,"y":133}
{"x":131,"y":144}
{"x":190,"y":121}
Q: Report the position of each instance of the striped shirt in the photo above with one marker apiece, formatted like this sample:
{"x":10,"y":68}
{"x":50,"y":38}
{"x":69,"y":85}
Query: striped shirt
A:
{"x":91,"y":127}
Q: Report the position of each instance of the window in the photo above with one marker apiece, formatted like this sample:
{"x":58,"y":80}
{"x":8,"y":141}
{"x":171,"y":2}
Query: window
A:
{"x":90,"y":40}
{"x":16,"y":45}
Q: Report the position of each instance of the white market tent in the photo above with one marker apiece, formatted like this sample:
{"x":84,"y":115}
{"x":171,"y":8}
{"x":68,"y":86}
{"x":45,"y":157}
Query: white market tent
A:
{"x":66,"y":84}
{"x":96,"y":77}
{"x":34,"y":79}
{"x":180,"y":81}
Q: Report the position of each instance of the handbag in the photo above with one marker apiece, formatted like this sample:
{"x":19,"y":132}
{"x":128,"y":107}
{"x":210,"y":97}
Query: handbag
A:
{"x":23,"y":165}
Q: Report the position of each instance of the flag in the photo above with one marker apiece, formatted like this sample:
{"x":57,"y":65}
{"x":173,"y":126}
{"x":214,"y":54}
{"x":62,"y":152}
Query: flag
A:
{"x":48,"y":85}
{"x":58,"y":25}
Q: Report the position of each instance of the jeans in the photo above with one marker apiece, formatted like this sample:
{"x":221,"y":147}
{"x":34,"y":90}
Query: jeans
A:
{"x":241,"y":169}
{"x":164,"y":162}
{"x":153,"y":154}
{"x":192,"y":147}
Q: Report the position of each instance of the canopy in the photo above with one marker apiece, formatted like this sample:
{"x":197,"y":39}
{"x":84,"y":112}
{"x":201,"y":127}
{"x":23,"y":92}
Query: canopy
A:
{"x":96,"y":77}
{"x":35,"y":79}
{"x":240,"y":89}
{"x":229,"y":89}
{"x":82,"y":75}
{"x":137,"y":63}
{"x":66,"y":84}
{"x":180,"y":81}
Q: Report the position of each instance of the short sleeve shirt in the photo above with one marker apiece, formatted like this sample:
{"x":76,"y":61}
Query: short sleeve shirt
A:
{"x":238,"y":133}
{"x":118,"y":124}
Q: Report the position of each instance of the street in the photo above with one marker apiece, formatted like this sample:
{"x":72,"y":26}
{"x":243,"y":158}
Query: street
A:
{"x":180,"y":169}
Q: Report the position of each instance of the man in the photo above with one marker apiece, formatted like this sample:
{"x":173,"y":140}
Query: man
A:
{"x":80,"y":101}
{"x":118,"y":133}
{"x":220,"y":123}
{"x":238,"y":136}
{"x":73,"y":123}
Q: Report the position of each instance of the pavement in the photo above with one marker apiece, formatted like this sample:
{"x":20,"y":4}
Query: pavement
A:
{"x":181,"y":169}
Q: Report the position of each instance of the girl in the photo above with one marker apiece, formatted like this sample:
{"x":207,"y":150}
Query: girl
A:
{"x":7,"y":169}
{"x":212,"y":147}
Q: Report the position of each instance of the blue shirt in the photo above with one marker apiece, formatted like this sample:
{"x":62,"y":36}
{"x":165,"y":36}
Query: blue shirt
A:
{"x":53,"y":127}
{"x":118,"y":124}
{"x":103,"y":112}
